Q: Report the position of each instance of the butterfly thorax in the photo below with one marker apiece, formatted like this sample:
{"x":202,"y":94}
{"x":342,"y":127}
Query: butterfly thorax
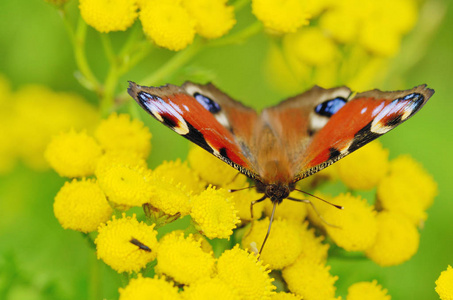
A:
{"x":275,"y":191}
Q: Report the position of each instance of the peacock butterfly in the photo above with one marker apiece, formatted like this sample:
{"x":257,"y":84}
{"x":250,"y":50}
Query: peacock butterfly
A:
{"x":284,"y":143}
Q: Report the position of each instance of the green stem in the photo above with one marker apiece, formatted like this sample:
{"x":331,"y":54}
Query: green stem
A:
{"x":108,"y":49}
{"x":239,"y":4}
{"x":95,"y":278}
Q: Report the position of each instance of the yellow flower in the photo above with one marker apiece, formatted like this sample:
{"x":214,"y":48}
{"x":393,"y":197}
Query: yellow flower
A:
{"x":211,"y":288}
{"x":321,"y":208}
{"x":365,"y":168}
{"x":213,"y":17}
{"x":141,"y":288}
{"x":285,"y":296}
{"x":380,"y":38}
{"x":444,"y":284}
{"x":123,"y":158}
{"x":283,"y":245}
{"x":310,"y":279}
{"x":45,"y":114}
{"x":341,"y":24}
{"x":397,"y":193}
{"x":119,"y":133}
{"x":421,"y":181}
{"x":367,"y":290}
{"x":210,"y":168}
{"x":214,"y":213}
{"x":169,"y":197}
{"x":357,"y":226}
{"x":397,"y":240}
{"x":242,"y":200}
{"x":323,"y":53}
{"x":116,"y":247}
{"x":245,"y":274}
{"x":109,"y":15}
{"x":313,"y":249}
{"x":290,"y":210}
{"x":204,"y":244}
{"x":73,"y":154}
{"x":168,"y":24}
{"x":180,"y":173}
{"x":183,"y":259}
{"x":281,"y":16}
{"x":81,"y":205}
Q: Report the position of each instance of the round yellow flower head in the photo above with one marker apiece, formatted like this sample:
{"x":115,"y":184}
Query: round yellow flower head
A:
{"x":204,"y":244}
{"x":210,"y":288}
{"x":125,"y":244}
{"x":183,"y":259}
{"x":242,"y":200}
{"x":444,"y":284}
{"x":245,"y":273}
{"x":296,"y":44}
{"x":365,"y":168}
{"x":397,"y":240}
{"x":141,"y":288}
{"x":289,"y":210}
{"x":123,"y":158}
{"x":180,"y":173}
{"x":44,"y":115}
{"x":285,"y":296}
{"x":213,"y":17}
{"x":126,"y":185}
{"x":397,"y":193}
{"x":81,"y":205}
{"x":349,"y":28}
{"x":168,"y":24}
{"x":310,"y":279}
{"x":313,"y":249}
{"x":214,"y":213}
{"x":210,"y":168}
{"x":169,"y":197}
{"x":357,"y":226}
{"x":367,"y":290}
{"x":109,"y":15}
{"x":421,"y":181}
{"x":283,"y":245}
{"x":119,"y":133}
{"x":73,"y":154}
{"x":281,"y":16}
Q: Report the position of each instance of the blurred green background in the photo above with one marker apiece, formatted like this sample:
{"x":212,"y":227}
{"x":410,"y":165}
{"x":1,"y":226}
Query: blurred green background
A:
{"x":40,"y":260}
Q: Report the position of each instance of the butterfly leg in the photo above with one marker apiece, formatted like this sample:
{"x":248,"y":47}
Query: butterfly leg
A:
{"x":251,"y":214}
{"x":315,"y":209}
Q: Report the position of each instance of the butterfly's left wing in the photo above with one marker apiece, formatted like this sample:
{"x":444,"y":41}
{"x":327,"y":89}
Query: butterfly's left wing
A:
{"x":339,"y":124}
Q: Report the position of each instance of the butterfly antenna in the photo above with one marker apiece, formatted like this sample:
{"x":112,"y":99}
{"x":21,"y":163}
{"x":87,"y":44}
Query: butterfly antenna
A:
{"x":246,"y":188}
{"x":315,"y":209}
{"x":251,"y":212}
{"x":269,"y":228}
{"x":334,"y":205}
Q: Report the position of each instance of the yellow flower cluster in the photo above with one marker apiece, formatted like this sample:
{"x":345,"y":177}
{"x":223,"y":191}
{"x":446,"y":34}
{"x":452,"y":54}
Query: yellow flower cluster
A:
{"x":170,"y":24}
{"x":349,"y":42}
{"x":367,"y":290}
{"x":444,"y":284}
{"x":29,"y":118}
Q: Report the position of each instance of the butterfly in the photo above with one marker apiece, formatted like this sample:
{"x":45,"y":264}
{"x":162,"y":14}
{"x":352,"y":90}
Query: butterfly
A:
{"x":284,"y":143}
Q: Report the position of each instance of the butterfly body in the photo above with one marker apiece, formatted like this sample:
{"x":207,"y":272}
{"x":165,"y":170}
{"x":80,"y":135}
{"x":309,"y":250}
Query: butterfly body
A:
{"x":284,"y":143}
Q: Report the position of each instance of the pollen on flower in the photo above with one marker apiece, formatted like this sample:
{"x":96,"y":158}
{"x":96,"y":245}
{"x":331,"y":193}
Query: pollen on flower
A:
{"x":214,"y":213}
{"x":310,"y":279}
{"x":245,"y":273}
{"x":108,"y":15}
{"x":210,"y":288}
{"x":169,"y":197}
{"x":313,"y":249}
{"x":124,"y":158}
{"x":142,"y":287}
{"x":168,"y":24}
{"x":285,"y":296}
{"x":73,"y":154}
{"x":281,"y":16}
{"x":365,"y":168}
{"x":290,"y":210}
{"x":356,"y":224}
{"x":420,"y":180}
{"x":183,"y":259}
{"x":120,"y":133}
{"x":114,"y":246}
{"x":210,"y":168}
{"x":397,"y":193}
{"x":81,"y":205}
{"x":444,"y":284}
{"x":180,"y":173}
{"x":213,"y":17}
{"x":367,"y":290}
{"x":397,"y":240}
{"x":126,"y":185}
{"x":296,"y":44}
{"x":282,"y":247}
